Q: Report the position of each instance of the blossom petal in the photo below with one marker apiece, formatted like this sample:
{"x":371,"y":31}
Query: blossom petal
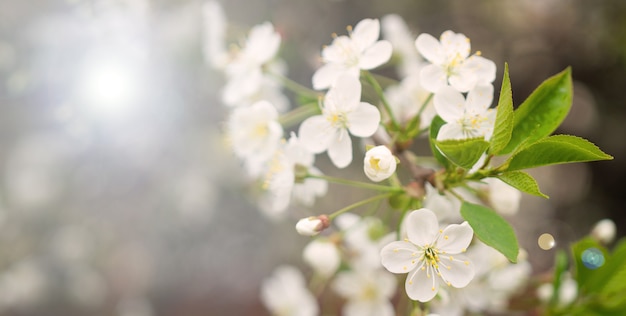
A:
{"x":336,"y":52}
{"x":482,"y":68}
{"x":263,"y":43}
{"x":479,"y":99}
{"x":455,"y":238}
{"x":340,"y":149}
{"x":449,"y":104}
{"x":326,"y":75}
{"x":451,"y":131}
{"x":364,"y":121}
{"x":316,"y":133}
{"x":422,"y":227}
{"x":430,"y":48}
{"x":455,"y":44}
{"x":344,"y":95}
{"x":463,"y":81}
{"x":459,"y":271}
{"x":433,"y":78}
{"x":422,"y":285}
{"x":398,"y":256}
{"x":376,"y":55}
{"x":365,"y":33}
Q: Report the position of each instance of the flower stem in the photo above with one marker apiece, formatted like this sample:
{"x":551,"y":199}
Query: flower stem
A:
{"x":298,"y":114}
{"x":294,"y":86}
{"x":379,"y":90}
{"x":425,"y":103}
{"x":356,"y":184}
{"x":360,"y":203}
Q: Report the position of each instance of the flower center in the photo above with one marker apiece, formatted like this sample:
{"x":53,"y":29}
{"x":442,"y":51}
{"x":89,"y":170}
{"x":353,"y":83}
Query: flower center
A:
{"x":431,"y":256}
{"x":338,"y":119}
{"x":260,"y":130}
{"x":374,"y":163}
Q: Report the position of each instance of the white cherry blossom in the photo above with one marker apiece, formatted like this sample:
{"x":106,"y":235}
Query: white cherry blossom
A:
{"x":349,"y":54}
{"x":368,"y":292}
{"x":465,"y":118}
{"x":312,"y":225}
{"x":379,"y":163}
{"x":452,"y":64}
{"x":430,"y":256}
{"x":342,"y":111}
{"x":323,"y":256}
{"x":363,"y":238}
{"x":402,"y":40}
{"x":304,"y":191}
{"x":285,"y":294}
{"x":407,"y":98}
{"x":255,"y":134}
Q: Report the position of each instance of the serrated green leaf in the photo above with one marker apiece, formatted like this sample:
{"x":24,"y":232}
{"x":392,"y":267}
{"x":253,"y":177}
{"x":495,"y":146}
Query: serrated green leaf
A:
{"x":557,"y":149}
{"x":522,"y":181}
{"x":543,"y":111}
{"x":491,"y":229}
{"x":435,"y":125}
{"x":463,"y":152}
{"x":503,"y":127}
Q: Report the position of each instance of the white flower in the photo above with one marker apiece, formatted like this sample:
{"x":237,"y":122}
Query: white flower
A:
{"x":604,"y":231}
{"x":349,"y":54}
{"x":402,"y":40}
{"x":307,"y":190}
{"x":363,"y":238}
{"x":368,"y":292}
{"x":406,"y":100}
{"x":568,"y":291}
{"x":278,"y":185}
{"x":379,"y":163}
{"x":255,"y":132}
{"x":323,"y":256}
{"x":430,"y":255}
{"x":285,"y":294}
{"x":245,"y":72}
{"x":465,"y":118}
{"x":342,"y":112}
{"x":312,"y":225}
{"x":504,"y":198}
{"x":451,"y":63}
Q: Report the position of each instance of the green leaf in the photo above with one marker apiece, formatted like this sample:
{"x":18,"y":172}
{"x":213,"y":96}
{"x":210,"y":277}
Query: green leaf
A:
{"x":491,"y":229}
{"x":584,"y":275}
{"x":463,"y":152}
{"x":522,"y":181}
{"x":556,"y":149}
{"x":503,"y":127}
{"x":435,"y":125}
{"x":542,"y":112}
{"x":560,"y":266}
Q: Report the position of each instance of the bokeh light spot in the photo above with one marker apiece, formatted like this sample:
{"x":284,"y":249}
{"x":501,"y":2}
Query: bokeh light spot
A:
{"x":546,"y":241}
{"x":592,"y":258}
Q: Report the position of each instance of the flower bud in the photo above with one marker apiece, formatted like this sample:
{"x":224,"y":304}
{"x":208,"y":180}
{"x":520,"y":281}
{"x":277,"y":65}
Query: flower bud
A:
{"x":313,"y":225}
{"x":379,"y":164}
{"x":604,"y":231}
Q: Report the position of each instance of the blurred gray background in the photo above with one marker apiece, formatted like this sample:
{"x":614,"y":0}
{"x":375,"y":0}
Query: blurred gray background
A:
{"x":127,"y":201}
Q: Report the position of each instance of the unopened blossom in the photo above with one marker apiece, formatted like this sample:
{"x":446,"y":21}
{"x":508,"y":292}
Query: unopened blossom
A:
{"x":323,"y":256}
{"x":342,"y":112}
{"x":604,"y":231}
{"x":379,"y":163}
{"x":347,"y":55}
{"x":285,"y":294}
{"x":312,"y":225}
{"x":431,"y":256}
{"x":368,"y":292}
{"x":255,"y":132}
{"x":465,"y":117}
{"x":451,"y":63}
{"x":568,"y":291}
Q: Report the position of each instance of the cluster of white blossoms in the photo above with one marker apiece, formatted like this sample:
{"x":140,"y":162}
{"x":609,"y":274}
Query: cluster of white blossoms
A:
{"x":357,"y":256}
